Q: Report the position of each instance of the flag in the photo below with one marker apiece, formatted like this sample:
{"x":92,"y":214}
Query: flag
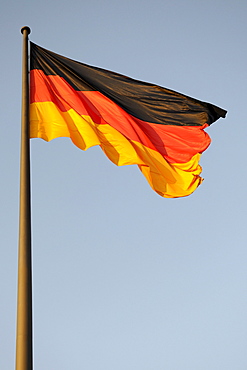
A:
{"x":134,"y":122}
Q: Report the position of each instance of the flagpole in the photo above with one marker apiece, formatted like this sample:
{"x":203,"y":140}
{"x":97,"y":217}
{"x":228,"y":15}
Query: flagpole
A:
{"x":24,"y":350}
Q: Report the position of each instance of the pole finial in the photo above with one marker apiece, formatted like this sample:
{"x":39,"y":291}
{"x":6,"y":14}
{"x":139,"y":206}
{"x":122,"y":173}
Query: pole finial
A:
{"x":26,"y":28}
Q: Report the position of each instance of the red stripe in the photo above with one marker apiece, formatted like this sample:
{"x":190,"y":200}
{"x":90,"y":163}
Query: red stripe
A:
{"x":176,"y":143}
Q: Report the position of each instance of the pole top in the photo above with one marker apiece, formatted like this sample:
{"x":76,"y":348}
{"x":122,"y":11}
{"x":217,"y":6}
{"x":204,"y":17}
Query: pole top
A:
{"x":26,"y":28}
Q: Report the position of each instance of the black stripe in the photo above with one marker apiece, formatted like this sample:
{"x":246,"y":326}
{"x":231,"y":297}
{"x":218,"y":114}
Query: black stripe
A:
{"x":142,"y":100}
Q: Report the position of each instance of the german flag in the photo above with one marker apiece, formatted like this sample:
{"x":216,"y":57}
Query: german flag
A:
{"x":134,"y":122}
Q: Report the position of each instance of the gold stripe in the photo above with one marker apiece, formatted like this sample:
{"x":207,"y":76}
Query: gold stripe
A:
{"x":169,"y":180}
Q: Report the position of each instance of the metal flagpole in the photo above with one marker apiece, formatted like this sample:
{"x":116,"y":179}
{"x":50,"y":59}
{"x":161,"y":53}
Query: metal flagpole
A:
{"x":24,"y":350}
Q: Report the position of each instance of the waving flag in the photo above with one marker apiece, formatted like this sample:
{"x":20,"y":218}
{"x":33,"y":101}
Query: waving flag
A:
{"x":134,"y":122}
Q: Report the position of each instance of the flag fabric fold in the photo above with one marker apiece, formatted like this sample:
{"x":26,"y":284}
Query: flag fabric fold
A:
{"x":134,"y":122}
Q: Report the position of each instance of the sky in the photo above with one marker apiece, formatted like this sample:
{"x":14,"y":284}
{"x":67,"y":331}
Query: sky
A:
{"x":123,"y":278}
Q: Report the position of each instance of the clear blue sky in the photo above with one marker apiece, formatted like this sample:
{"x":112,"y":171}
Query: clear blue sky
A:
{"x":122,"y":278}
